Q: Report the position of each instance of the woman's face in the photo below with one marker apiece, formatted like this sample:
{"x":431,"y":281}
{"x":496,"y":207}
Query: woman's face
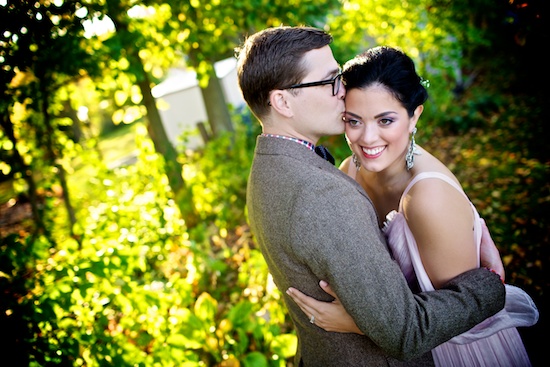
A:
{"x":378,"y":127}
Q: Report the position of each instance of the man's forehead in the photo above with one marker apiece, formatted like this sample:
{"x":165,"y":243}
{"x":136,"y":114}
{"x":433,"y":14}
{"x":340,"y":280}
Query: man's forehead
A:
{"x":320,"y":62}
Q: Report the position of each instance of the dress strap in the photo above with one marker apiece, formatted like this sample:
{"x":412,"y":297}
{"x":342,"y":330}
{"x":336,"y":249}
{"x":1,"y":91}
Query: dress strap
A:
{"x":450,"y":181}
{"x":424,"y":175}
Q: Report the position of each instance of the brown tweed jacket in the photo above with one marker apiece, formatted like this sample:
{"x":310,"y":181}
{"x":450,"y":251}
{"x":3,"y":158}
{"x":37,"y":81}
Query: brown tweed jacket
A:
{"x":313,"y":222}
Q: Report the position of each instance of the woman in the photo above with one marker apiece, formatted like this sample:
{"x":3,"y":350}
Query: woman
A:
{"x":428,"y":217}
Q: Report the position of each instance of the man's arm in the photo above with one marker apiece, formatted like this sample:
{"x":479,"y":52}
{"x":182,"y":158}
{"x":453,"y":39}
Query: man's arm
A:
{"x":332,"y":316}
{"x":343,"y":245}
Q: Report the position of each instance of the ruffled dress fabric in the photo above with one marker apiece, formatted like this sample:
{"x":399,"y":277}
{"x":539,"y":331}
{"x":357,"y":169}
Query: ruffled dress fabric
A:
{"x":492,"y":343}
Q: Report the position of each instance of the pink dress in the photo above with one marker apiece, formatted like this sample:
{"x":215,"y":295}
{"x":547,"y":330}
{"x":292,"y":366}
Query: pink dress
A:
{"x":495,"y":341}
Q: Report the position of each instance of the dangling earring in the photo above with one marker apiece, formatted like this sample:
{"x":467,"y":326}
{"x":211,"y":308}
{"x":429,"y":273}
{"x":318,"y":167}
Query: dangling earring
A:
{"x":356,"y":162}
{"x":409,"y":158}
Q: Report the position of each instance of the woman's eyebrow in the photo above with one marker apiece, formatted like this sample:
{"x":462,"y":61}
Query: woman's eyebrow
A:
{"x":352,"y":114}
{"x":384,"y":114}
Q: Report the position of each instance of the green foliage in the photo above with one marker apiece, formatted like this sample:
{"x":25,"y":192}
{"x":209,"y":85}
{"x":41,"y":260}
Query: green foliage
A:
{"x":218,"y":173}
{"x":507,"y":180}
{"x":138,"y":288}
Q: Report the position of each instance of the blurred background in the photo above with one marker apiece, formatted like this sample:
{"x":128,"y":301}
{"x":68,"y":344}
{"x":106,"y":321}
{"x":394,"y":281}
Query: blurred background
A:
{"x":125,"y":146}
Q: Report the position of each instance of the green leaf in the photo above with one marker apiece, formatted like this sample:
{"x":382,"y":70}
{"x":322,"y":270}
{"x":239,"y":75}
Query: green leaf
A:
{"x":191,"y":333}
{"x":284,"y":345}
{"x":240,"y":313}
{"x":206,"y":307}
{"x":255,"y":359}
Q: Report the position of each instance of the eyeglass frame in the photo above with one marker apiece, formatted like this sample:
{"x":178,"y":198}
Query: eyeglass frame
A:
{"x":332,"y":81}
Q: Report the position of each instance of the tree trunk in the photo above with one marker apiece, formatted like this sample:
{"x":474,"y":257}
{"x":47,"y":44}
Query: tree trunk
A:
{"x":173,"y":169}
{"x":26,"y":172}
{"x":216,"y":106}
{"x":52,"y":156}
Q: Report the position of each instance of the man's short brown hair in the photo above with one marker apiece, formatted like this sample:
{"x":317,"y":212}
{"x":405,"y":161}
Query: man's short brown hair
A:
{"x":272,"y":59}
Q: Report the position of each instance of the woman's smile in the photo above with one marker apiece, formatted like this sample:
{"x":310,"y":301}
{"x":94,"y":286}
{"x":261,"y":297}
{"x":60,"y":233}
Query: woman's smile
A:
{"x":373,"y":152}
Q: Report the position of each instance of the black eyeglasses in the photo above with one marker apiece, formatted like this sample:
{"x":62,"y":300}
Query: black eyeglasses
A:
{"x":335,"y":82}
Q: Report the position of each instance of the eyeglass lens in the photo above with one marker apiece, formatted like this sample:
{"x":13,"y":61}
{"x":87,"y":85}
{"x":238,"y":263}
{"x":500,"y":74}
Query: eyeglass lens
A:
{"x":336,"y":84}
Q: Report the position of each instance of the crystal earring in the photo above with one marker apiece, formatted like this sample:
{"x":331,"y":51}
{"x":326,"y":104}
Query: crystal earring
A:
{"x":356,"y":162}
{"x":409,"y":158}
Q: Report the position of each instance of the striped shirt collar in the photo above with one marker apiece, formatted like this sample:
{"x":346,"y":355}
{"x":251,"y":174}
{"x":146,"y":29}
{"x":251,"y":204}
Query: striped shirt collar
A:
{"x":311,"y":146}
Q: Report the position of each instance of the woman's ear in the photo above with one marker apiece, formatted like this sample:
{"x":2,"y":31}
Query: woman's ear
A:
{"x":415,"y":117}
{"x":279,"y":102}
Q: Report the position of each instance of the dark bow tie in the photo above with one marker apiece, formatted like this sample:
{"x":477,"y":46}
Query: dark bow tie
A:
{"x":324,"y":153}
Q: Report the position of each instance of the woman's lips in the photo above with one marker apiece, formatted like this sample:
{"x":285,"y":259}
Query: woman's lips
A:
{"x":372,"y":152}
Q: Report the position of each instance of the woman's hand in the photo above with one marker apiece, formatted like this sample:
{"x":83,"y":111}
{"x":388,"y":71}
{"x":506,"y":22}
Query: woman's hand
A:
{"x":330,"y":316}
{"x":489,"y":255}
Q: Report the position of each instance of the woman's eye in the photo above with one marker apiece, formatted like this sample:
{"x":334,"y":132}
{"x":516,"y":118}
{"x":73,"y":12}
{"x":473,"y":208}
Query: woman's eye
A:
{"x":385,"y":122}
{"x":351,"y":121}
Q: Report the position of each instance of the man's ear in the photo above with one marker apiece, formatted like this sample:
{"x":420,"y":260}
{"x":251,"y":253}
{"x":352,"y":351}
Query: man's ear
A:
{"x":279,"y":102}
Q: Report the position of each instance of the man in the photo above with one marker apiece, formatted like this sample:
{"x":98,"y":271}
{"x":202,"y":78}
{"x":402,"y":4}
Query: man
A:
{"x":313,"y":222}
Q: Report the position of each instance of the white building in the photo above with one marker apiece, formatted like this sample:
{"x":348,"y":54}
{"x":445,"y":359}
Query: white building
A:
{"x":180,"y":103}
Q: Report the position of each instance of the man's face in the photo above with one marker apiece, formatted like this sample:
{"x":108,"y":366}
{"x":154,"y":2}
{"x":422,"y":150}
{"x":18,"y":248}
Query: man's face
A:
{"x":316,"y":111}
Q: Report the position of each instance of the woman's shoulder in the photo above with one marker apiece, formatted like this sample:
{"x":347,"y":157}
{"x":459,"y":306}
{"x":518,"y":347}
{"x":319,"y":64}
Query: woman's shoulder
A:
{"x":436,"y":190}
{"x":428,"y":165}
{"x":432,"y":184}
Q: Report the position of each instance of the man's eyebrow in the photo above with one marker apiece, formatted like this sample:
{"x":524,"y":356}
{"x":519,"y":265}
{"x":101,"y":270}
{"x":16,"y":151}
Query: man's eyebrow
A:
{"x":333,"y":72}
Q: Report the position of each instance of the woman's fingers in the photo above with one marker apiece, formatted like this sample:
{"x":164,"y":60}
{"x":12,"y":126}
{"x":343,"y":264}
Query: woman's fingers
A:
{"x":489,"y":254}
{"x":301,"y":300}
{"x":326,"y":287}
{"x":330,"y":316}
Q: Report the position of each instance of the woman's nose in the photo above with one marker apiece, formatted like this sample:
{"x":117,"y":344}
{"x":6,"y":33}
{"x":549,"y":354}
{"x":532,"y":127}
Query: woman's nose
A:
{"x":370,"y":133}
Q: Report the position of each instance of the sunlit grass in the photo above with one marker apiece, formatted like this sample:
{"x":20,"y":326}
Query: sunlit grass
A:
{"x":119,"y":143}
